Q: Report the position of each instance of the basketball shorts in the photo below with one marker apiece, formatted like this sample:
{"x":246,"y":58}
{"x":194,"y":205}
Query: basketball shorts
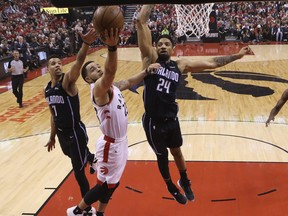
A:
{"x":73,"y":142}
{"x":162,"y":133}
{"x":112,"y":155}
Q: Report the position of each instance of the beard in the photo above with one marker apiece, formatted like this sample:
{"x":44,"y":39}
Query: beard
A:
{"x":163,"y":57}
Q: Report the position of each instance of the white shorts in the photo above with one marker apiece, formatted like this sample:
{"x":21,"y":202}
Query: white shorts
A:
{"x":112,"y":155}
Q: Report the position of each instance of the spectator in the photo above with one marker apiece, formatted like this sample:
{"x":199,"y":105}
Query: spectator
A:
{"x":279,"y":33}
{"x":21,"y":46}
{"x":165,"y":31}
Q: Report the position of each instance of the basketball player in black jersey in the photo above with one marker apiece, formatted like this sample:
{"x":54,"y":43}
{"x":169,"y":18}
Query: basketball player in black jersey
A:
{"x":61,"y":93}
{"x":160,"y":119}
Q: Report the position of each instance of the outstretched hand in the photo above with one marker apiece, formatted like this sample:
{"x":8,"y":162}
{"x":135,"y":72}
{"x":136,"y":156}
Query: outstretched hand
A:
{"x":50,"y":145}
{"x":110,"y":37}
{"x":245,"y":50}
{"x":268,"y":120}
{"x":90,"y":36}
{"x":152,"y":68}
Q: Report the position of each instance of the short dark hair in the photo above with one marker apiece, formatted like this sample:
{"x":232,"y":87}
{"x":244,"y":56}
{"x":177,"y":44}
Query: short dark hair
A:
{"x":52,"y":56}
{"x":84,"y":70}
{"x":165,"y":36}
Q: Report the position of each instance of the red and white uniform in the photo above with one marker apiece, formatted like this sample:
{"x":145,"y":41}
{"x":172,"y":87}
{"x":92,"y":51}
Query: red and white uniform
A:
{"x":112,"y":146}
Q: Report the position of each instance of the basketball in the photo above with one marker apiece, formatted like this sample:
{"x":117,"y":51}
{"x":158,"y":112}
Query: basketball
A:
{"x":107,"y":17}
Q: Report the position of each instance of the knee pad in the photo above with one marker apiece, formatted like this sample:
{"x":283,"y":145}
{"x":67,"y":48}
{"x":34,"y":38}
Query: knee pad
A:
{"x":108,"y":193}
{"x":94,"y":194}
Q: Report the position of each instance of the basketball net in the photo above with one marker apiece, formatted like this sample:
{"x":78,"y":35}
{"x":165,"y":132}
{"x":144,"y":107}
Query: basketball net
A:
{"x":193,"y":19}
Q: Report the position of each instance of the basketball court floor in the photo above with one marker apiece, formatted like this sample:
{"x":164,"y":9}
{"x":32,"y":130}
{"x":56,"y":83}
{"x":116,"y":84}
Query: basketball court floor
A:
{"x":237,"y":165}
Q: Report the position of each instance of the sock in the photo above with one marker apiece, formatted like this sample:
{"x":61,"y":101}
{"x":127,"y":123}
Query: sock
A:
{"x":183,"y":175}
{"x":100,"y":213}
{"x":171,"y":186}
{"x":77,"y":210}
{"x":88,"y":209}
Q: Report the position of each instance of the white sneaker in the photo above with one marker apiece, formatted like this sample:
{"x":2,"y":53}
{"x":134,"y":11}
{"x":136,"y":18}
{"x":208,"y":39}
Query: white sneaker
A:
{"x":71,"y":213}
{"x":92,"y":212}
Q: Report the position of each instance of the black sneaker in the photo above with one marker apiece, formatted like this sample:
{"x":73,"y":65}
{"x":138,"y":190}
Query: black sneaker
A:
{"x":186,"y":186}
{"x":180,"y":198}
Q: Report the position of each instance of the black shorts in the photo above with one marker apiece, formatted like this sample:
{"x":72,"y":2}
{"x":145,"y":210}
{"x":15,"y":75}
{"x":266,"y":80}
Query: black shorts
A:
{"x":73,"y":142}
{"x":162,"y":133}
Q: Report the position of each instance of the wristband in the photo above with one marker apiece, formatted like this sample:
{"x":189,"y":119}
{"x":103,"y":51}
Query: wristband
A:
{"x":86,"y":43}
{"x":112,"y":48}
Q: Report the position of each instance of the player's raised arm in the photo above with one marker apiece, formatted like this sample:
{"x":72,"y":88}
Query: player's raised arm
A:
{"x":144,"y":35}
{"x":103,"y":84}
{"x":73,"y":74}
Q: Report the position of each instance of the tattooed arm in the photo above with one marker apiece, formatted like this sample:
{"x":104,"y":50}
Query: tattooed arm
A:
{"x":186,"y":65}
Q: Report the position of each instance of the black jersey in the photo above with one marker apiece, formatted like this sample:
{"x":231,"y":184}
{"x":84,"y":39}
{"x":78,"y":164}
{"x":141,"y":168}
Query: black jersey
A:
{"x":66,"y":109}
{"x":160,"y":91}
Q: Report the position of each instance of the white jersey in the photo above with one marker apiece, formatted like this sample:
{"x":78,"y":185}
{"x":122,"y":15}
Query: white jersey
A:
{"x":113,"y":116}
{"x":112,"y":146}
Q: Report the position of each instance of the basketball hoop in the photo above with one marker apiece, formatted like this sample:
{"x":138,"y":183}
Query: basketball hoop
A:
{"x":193,"y":19}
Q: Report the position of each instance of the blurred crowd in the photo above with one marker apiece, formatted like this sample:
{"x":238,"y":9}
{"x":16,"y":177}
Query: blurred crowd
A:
{"x":28,"y":29}
{"x":25,"y":27}
{"x":253,"y":21}
{"x":245,"y":21}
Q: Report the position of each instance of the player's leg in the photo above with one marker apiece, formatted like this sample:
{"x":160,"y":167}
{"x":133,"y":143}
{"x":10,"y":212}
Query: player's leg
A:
{"x":92,"y":196}
{"x":175,"y":143}
{"x":103,"y":201}
{"x":155,"y":133}
{"x":69,"y":142}
{"x":79,"y":158}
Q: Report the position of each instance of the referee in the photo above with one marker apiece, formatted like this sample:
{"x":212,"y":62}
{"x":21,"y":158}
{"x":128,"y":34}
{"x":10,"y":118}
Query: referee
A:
{"x":18,"y":70}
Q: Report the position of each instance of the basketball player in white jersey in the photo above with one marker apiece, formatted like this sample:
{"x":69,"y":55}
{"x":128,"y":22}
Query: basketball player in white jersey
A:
{"x":109,"y":104}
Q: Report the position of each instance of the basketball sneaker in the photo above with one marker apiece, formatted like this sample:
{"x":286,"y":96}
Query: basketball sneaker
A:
{"x":180,"y":198}
{"x":70,"y":212}
{"x":89,"y":211}
{"x":186,"y":186}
